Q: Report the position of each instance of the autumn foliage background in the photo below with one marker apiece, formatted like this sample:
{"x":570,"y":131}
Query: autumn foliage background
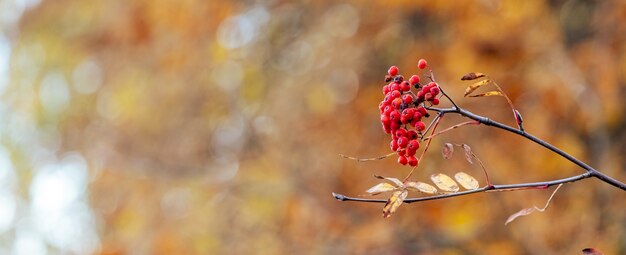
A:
{"x":214,"y":127}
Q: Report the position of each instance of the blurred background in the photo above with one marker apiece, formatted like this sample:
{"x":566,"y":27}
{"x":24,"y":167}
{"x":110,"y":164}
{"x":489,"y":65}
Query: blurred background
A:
{"x":214,"y":127}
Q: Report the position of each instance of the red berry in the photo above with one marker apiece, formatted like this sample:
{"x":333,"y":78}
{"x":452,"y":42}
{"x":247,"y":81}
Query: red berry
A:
{"x":395,"y":94}
{"x":420,"y":95}
{"x":386,"y":89}
{"x":408,"y":99}
{"x":435,"y":101}
{"x":432,"y":84}
{"x":428,"y":96}
{"x":394,"y":86}
{"x":394,"y":126}
{"x":400,"y":132}
{"x":420,"y":126}
{"x":404,"y":86}
{"x":387,"y":100}
{"x":422,"y":110}
{"x":412,"y":135}
{"x":416,"y":116}
{"x":410,"y":152}
{"x":414,"y":80}
{"x":387,"y":129}
{"x":434,"y":90}
{"x":413,"y":145}
{"x":396,"y":103}
{"x":393,"y":70}
{"x":385,"y":120}
{"x":394,"y":116}
{"x":401,"y":152}
{"x":402,"y":160}
{"x":394,"y":145}
{"x":421,"y":64}
{"x":403,"y":142}
{"x":412,"y":160}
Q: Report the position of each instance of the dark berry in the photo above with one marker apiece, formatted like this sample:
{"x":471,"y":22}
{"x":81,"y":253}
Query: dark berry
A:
{"x":398,"y":79}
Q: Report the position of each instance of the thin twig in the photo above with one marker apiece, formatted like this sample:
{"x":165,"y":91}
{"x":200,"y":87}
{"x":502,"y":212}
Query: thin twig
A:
{"x":367,"y":159}
{"x":450,"y":128}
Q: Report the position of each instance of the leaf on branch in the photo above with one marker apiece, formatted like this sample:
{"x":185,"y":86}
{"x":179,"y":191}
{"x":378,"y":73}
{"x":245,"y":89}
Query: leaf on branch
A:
{"x":444,"y":182}
{"x":527,"y":211}
{"x":447,"y":150}
{"x":394,"y":202}
{"x":475,"y":86}
{"x":380,"y":188}
{"x":422,"y":187}
{"x":466,"y":180}
{"x":395,"y":181}
{"x":472,"y":76}
{"x":592,"y":251}
{"x":468,"y":153}
{"x":488,"y":94}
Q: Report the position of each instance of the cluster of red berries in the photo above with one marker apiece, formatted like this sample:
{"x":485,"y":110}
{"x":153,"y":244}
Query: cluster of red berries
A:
{"x":401,"y":112}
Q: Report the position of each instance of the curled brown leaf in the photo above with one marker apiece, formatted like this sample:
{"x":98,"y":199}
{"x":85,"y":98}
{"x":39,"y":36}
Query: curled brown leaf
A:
{"x":472,"y":76}
{"x":447,"y":150}
{"x":468,"y":153}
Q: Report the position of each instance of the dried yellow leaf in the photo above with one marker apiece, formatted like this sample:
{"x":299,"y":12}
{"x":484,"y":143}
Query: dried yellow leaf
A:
{"x":394,"y":202}
{"x":422,"y":187}
{"x":475,"y":86}
{"x":380,"y":188}
{"x":444,"y":182}
{"x":466,"y":180}
{"x":488,"y":94}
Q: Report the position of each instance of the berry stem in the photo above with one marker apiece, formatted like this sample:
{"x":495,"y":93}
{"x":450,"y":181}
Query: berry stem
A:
{"x":437,"y":120}
{"x":450,"y":128}
{"x":367,"y":159}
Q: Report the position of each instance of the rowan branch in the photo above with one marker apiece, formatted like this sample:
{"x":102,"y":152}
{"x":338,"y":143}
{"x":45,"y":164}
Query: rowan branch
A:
{"x":492,"y":188}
